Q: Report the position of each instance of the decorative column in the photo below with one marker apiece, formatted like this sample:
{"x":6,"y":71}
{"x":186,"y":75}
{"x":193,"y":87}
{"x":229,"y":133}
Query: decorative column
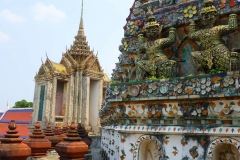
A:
{"x":53,"y":105}
{"x":35,"y":106}
{"x":66,"y":118}
{"x":75,"y":106}
{"x":38,"y":143}
{"x":71,"y":95}
{"x":36,"y":102}
{"x":11,"y":147}
{"x":80,"y":106}
{"x":86,"y":95}
{"x":100,"y":99}
{"x":48,"y":102}
{"x":72,"y":147}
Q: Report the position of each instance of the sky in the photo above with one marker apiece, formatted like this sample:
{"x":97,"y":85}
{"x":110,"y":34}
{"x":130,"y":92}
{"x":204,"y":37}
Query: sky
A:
{"x":31,"y":29}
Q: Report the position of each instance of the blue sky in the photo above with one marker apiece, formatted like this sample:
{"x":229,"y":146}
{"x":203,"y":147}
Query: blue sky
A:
{"x":29,"y":29}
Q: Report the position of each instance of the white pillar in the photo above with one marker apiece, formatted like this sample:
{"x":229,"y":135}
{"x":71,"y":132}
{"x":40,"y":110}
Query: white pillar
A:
{"x":53,"y":99}
{"x":80,"y":92}
{"x":35,"y":102}
{"x":100,"y":99}
{"x":86,"y":94}
{"x":48,"y":98}
{"x":75,"y":107}
{"x":70,"y":98}
{"x":66,"y":116}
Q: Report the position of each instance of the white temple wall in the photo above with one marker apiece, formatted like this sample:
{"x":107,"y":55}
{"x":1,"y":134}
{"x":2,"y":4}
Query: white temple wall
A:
{"x":65,"y":89}
{"x":120,"y":144}
{"x":94,"y":105}
{"x":35,"y":102}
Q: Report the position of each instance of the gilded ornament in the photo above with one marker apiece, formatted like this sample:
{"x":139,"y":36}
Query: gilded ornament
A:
{"x":189,"y":90}
{"x":190,"y":11}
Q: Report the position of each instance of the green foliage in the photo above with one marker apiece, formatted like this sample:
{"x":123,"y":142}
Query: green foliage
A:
{"x":217,"y":70}
{"x":190,"y":75}
{"x":152,"y":78}
{"x":166,"y":76}
{"x":23,"y":104}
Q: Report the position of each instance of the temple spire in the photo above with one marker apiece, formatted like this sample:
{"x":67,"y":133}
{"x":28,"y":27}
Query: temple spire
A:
{"x":81,"y":26}
{"x":80,"y":45}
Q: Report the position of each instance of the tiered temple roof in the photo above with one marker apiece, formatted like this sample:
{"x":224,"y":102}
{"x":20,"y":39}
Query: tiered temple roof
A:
{"x":78,"y":56}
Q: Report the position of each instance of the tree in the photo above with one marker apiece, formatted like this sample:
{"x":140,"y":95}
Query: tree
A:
{"x":23,"y":104}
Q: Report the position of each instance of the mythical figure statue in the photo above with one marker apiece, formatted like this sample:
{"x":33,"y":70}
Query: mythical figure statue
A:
{"x":227,"y":155}
{"x":151,"y":59}
{"x":215,"y":55}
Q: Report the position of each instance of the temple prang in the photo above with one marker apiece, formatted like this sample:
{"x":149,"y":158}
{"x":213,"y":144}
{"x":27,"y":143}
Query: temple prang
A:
{"x":174,"y":93}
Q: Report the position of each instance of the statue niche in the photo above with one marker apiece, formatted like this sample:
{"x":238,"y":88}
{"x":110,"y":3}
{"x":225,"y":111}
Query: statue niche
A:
{"x":225,"y":152}
{"x":151,"y":60}
{"x":148,"y":151}
{"x":215,"y":55}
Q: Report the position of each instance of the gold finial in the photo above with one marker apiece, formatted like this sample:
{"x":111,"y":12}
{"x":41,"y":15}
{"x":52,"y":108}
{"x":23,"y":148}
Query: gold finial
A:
{"x":46,"y":55}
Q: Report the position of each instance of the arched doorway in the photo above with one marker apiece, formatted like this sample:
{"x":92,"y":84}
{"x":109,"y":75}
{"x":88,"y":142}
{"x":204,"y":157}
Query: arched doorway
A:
{"x":148,"y":150}
{"x":147,"y":147}
{"x":223,"y":149}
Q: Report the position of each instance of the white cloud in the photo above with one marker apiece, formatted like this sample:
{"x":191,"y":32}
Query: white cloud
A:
{"x":11,"y":17}
{"x":43,"y":12}
{"x":4,"y":37}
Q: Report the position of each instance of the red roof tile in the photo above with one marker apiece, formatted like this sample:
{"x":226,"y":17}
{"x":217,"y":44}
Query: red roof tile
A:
{"x":18,"y":114}
{"x":21,"y":128}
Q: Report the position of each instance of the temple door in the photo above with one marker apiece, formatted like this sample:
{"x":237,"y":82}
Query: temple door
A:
{"x":59,"y":104}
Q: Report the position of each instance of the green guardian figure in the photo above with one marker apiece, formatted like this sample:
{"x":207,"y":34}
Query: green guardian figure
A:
{"x":215,"y":54}
{"x":151,"y":60}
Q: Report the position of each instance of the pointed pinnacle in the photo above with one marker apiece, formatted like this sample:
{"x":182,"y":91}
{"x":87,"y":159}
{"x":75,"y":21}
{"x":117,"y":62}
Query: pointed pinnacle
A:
{"x":81,"y":20}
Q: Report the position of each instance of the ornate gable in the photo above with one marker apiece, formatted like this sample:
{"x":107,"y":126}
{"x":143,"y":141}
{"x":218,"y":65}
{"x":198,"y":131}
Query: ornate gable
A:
{"x":43,"y":72}
{"x":49,"y":64}
{"x":86,"y":61}
{"x":95,"y":66}
{"x":67,"y":64}
{"x":70,"y":59}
